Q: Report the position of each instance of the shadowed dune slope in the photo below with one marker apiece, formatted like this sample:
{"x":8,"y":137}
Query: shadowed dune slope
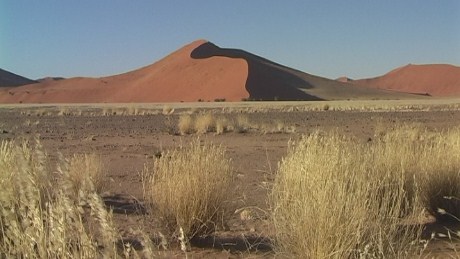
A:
{"x":8,"y":79}
{"x":268,"y":80}
{"x":197,"y":71}
{"x":433,"y":79}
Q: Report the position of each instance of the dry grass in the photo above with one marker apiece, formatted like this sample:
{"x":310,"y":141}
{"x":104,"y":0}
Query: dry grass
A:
{"x":434,"y":158}
{"x":185,"y":124}
{"x":188,"y":188}
{"x":334,"y":198}
{"x":242,"y":124}
{"x":204,"y":123}
{"x":85,"y":167}
{"x":167,"y":110}
{"x":40,"y":219}
{"x":223,"y":125}
{"x":40,"y":214}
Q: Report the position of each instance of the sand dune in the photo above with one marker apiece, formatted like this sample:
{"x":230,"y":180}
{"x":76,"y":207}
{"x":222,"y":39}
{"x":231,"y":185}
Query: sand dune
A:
{"x":8,"y":79}
{"x":434,"y":79}
{"x":175,"y":78}
{"x":197,"y":71}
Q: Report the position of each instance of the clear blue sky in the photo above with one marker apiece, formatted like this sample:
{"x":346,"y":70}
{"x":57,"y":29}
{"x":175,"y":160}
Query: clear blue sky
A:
{"x":359,"y":39}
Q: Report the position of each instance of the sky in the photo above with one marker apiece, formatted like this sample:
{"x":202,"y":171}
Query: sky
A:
{"x":356,"y":38}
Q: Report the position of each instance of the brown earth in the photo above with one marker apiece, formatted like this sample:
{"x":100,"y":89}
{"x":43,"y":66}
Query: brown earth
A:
{"x":433,"y":79}
{"x":197,"y":71}
{"x":125,"y":143}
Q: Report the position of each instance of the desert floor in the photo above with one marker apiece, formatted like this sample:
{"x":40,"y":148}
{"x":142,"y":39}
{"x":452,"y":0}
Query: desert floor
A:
{"x":127,"y":137}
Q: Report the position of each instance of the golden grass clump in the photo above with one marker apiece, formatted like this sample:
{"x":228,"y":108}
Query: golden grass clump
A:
{"x":188,"y":188}
{"x":223,"y":125}
{"x":185,"y":124}
{"x":434,"y":159}
{"x":330,"y":200}
{"x":242,"y":124}
{"x":204,"y":123}
{"x":83,"y":167}
{"x":41,"y":218}
{"x":441,"y":185}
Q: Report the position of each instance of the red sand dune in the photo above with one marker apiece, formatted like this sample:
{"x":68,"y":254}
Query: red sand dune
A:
{"x":435,"y":80}
{"x":176,"y":77}
{"x":200,"y":70}
{"x":8,"y":79}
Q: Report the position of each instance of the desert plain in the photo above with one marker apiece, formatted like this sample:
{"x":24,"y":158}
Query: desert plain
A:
{"x":128,"y":136}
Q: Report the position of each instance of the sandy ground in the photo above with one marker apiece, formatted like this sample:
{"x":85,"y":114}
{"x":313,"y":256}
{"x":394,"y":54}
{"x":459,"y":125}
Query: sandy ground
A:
{"x":127,"y":142}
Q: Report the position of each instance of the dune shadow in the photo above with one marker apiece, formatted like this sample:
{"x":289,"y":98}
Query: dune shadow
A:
{"x":240,"y":243}
{"x":124,"y":205}
{"x":266,"y":80}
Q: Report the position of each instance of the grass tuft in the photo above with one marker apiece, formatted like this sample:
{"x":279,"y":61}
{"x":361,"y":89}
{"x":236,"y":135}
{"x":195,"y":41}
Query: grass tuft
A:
{"x":333,"y":198}
{"x":188,"y":187}
{"x":42,"y":219}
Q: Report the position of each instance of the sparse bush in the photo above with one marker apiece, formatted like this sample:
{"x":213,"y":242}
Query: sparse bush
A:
{"x":333,"y":198}
{"x":188,"y":188}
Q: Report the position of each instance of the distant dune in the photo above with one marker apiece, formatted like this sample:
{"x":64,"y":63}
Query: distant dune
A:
{"x":344,"y":79}
{"x":197,"y":71}
{"x":48,"y":79}
{"x":8,"y":79}
{"x":434,"y":80}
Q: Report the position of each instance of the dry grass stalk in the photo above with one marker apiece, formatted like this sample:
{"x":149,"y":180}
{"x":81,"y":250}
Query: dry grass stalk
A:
{"x":188,"y":188}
